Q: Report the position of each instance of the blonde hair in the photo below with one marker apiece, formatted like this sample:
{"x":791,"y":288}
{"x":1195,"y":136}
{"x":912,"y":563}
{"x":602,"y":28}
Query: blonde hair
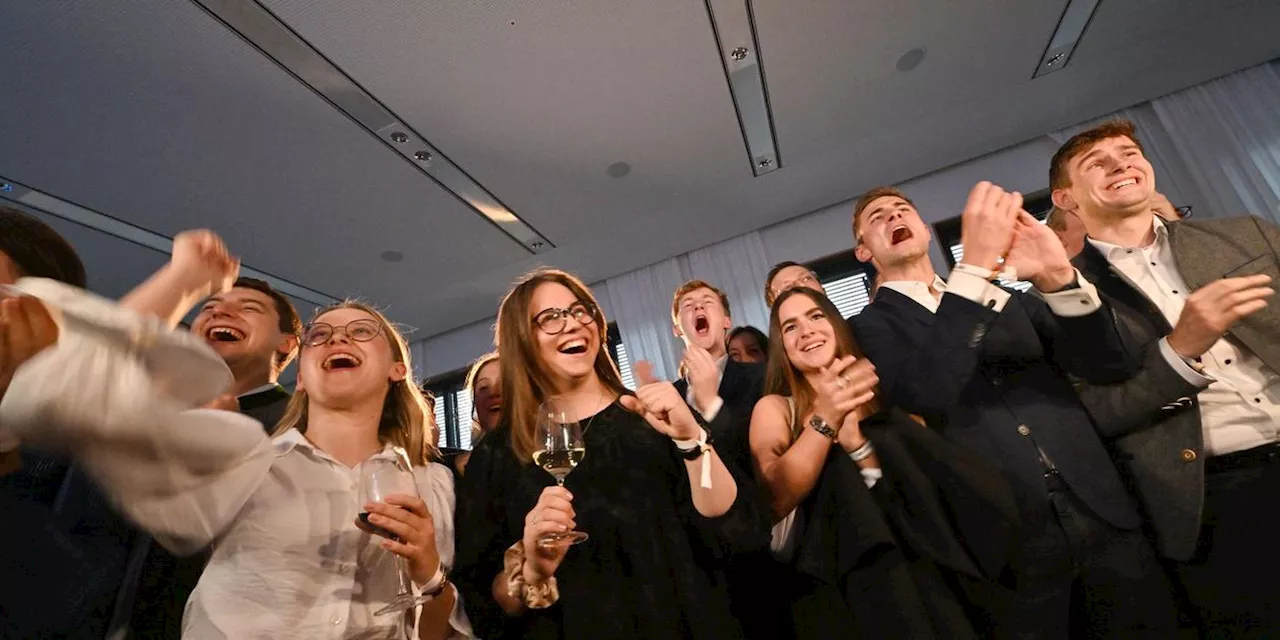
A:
{"x":405,"y":413}
{"x":525,"y":383}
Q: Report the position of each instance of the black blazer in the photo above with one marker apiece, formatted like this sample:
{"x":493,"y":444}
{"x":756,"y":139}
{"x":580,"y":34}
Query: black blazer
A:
{"x":1153,"y":419}
{"x":740,"y":388}
{"x":995,"y":383}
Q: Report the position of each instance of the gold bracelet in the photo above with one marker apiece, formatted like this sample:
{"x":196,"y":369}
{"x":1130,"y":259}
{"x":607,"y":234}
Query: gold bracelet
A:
{"x":536,"y":596}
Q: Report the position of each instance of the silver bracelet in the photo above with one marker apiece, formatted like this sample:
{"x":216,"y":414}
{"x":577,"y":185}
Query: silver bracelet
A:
{"x":863,"y":452}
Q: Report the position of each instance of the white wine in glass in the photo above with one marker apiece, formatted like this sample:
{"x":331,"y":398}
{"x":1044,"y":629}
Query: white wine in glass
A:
{"x":561,"y":448}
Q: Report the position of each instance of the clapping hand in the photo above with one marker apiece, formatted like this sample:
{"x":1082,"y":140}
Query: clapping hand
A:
{"x":845,"y":384}
{"x":658,"y":402}
{"x":204,"y":261}
{"x":703,"y":375}
{"x":988,"y":225}
{"x":1037,"y":255}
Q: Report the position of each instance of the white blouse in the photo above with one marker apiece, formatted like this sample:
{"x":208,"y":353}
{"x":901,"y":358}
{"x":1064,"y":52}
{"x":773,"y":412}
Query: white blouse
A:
{"x":288,"y":560}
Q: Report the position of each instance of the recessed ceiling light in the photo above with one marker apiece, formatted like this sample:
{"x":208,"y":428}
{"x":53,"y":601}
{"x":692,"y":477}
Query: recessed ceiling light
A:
{"x":911,"y":59}
{"x":392,"y":256}
{"x":618,"y":170}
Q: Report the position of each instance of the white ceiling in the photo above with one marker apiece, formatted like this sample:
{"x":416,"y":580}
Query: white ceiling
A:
{"x":155,"y":113}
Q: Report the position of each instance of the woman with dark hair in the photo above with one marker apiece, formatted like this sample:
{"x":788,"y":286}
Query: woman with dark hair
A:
{"x":662,"y":511}
{"x":748,"y":344}
{"x":888,"y":530}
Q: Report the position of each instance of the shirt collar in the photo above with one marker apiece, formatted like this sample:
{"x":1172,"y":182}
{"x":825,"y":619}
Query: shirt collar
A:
{"x":913,"y":288}
{"x":294,"y":439}
{"x":1111,"y":251}
{"x":266,"y":387}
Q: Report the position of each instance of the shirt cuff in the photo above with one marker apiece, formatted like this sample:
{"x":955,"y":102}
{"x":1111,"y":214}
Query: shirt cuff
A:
{"x":1074,"y":301}
{"x":712,"y":411}
{"x":871,"y":476}
{"x":975,"y":289}
{"x":1183,"y":366}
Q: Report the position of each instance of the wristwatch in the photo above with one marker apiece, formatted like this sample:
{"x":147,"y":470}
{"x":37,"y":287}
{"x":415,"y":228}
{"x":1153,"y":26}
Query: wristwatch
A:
{"x":818,"y":424}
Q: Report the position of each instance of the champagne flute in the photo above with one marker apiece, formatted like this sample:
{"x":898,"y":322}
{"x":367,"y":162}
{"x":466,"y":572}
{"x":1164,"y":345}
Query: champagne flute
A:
{"x":379,"y":478}
{"x":562,"y":447}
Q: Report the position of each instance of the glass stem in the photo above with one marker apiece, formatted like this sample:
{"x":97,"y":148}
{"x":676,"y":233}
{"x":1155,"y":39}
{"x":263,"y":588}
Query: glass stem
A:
{"x":403,"y":570}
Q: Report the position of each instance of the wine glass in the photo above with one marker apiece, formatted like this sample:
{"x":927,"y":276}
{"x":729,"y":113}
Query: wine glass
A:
{"x":561,"y":448}
{"x":380,"y":477}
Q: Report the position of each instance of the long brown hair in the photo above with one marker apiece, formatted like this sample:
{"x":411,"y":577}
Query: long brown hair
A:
{"x":782,"y":377}
{"x":525,"y":383}
{"x":404,"y":411}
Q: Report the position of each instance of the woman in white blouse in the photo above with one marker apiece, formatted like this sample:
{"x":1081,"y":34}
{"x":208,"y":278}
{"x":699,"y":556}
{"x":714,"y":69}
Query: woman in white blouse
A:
{"x":290,"y":557}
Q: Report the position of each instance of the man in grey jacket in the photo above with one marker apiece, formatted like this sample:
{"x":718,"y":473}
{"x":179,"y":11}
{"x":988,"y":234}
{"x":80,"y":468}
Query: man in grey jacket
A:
{"x":1197,"y":432}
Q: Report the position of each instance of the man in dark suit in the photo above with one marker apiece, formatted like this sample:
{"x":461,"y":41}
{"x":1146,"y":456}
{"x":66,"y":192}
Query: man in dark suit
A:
{"x":256,"y":331}
{"x":723,"y":391}
{"x":984,"y":366}
{"x":1197,"y":431}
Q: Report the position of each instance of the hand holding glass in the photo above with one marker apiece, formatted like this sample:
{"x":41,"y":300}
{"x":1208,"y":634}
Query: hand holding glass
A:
{"x":379,"y":478}
{"x":561,"y":448}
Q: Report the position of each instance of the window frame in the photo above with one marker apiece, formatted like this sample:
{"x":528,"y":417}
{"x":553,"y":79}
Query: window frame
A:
{"x":841,"y":265}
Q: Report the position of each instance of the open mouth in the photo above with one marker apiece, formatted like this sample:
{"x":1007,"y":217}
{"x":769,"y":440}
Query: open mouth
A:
{"x":701,"y":325}
{"x":224,"y":334}
{"x":813,"y":346}
{"x":341,"y":361}
{"x":900,"y":233}
{"x":574,"y":347}
{"x":1128,"y":182}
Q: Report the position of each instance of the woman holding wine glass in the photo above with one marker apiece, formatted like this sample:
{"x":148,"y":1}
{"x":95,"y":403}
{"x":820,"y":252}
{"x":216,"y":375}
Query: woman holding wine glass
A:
{"x":633,"y":544}
{"x":339,"y":526}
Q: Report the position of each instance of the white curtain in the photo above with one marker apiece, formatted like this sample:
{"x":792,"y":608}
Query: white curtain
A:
{"x":1215,"y":146}
{"x":640,"y":301}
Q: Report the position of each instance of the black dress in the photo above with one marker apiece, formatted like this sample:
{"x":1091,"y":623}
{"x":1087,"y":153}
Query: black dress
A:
{"x":916,"y":556}
{"x":653,"y":567}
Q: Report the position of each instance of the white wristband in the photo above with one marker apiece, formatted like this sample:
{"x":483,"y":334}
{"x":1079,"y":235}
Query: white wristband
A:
{"x":704,"y":460}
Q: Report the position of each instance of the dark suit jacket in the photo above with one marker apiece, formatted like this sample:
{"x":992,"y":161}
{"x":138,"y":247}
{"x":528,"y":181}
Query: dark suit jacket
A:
{"x":266,"y":406}
{"x":995,"y":383}
{"x":1154,"y":418}
{"x":740,"y":389}
{"x":63,"y":552}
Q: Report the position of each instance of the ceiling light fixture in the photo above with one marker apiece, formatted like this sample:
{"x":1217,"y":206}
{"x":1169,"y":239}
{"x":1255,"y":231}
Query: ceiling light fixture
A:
{"x":1071,"y":27}
{"x":910,"y":60}
{"x":618,"y":170}
{"x":734,"y":28}
{"x":72,"y":212}
{"x":260,"y":28}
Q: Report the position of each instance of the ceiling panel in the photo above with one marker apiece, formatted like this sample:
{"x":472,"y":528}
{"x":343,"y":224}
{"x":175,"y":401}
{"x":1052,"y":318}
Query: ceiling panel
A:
{"x":154,"y":113}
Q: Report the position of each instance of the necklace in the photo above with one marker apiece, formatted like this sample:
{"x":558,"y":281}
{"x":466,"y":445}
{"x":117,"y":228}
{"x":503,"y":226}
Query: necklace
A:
{"x":599,"y":411}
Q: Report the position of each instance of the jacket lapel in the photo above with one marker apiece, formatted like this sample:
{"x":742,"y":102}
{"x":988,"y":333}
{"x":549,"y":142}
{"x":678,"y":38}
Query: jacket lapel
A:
{"x":1097,"y":269}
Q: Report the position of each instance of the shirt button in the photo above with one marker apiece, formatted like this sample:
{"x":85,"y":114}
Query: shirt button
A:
{"x":336,"y":620}
{"x":1024,"y":430}
{"x":1188,"y":455}
{"x":1227,"y":361}
{"x":1258,"y":400}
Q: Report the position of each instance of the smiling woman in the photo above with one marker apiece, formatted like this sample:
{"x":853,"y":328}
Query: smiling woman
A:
{"x":650,"y":520}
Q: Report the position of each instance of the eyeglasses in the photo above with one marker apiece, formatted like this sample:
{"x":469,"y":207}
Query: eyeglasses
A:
{"x":553,"y":321}
{"x":318,"y":333}
{"x":1183,"y":212}
{"x":806,"y":280}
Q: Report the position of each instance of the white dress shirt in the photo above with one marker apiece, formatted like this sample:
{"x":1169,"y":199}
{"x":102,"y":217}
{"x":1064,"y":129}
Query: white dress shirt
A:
{"x":1239,"y":406}
{"x":288,"y":560}
{"x":1067,"y":303}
